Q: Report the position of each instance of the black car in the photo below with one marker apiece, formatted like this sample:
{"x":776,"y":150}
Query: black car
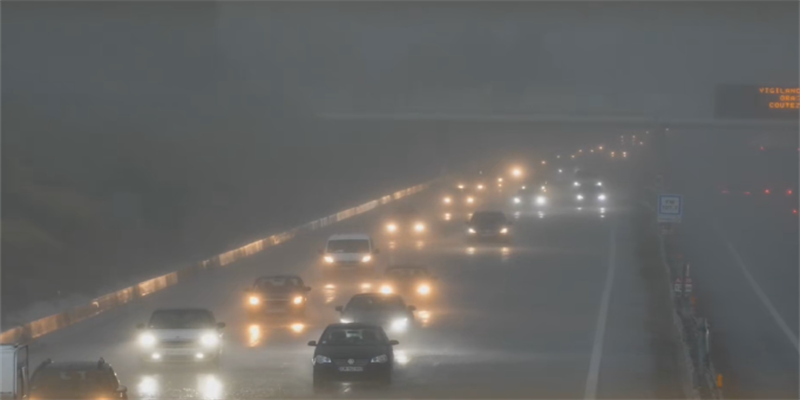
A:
{"x":76,"y":380}
{"x":489,"y":225}
{"x":352,"y":353}
{"x":385,"y":310}
{"x":413,"y":281}
{"x":277,"y":295}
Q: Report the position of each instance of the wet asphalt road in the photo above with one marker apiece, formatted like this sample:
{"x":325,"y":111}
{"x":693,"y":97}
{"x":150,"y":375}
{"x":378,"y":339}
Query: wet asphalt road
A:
{"x":565,"y":311}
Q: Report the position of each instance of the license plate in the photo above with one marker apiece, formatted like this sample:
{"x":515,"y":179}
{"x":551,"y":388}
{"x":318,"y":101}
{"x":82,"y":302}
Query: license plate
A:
{"x":351,"y":369}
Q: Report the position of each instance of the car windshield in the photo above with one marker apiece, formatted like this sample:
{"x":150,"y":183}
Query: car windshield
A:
{"x":375,"y":303}
{"x":348,"y":246}
{"x":353,"y":337}
{"x":72,"y":381}
{"x":278,"y":283}
{"x":488,"y":218}
{"x":181,"y":319}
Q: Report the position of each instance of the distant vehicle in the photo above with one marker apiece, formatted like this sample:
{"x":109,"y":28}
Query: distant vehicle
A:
{"x":590,"y":195}
{"x":585,"y":178}
{"x":76,"y":380}
{"x":522,"y":196}
{"x":181,"y":335}
{"x":409,"y":281}
{"x":406,"y":219}
{"x":489,"y":225}
{"x":349,"y":250}
{"x":277,"y":295}
{"x":388,"y":311}
{"x":352,"y":353}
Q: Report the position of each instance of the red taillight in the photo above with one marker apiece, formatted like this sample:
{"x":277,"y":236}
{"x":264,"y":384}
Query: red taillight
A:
{"x":766,"y":191}
{"x":762,"y":148}
{"x":725,"y":191}
{"x":747,"y":193}
{"x":794,"y":211}
{"x":788,"y":192}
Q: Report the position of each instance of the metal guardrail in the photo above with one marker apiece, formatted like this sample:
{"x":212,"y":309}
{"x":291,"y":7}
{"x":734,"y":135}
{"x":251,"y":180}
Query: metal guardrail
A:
{"x":43,"y":326}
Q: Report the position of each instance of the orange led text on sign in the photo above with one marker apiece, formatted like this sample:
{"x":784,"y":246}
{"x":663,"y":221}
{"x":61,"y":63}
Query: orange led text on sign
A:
{"x":788,"y":98}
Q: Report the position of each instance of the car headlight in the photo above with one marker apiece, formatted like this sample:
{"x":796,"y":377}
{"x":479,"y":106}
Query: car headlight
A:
{"x":577,"y":184}
{"x":391,"y":228}
{"x":580,"y":197}
{"x":209,"y":340}
{"x":254,"y":300}
{"x":419,"y":227}
{"x":601,"y":197}
{"x":345,"y":321}
{"x":386,"y":289}
{"x":399,"y":325}
{"x":470,"y":230}
{"x":298,"y":300}
{"x":540,"y":200}
{"x":517,"y":200}
{"x":366,"y":258}
{"x":383,"y":358}
{"x":320,"y":359}
{"x":470,"y":200}
{"x":329,"y":259}
{"x":504,"y":230}
{"x":424,"y":289}
{"x":447,"y":200}
{"x":599,"y":183}
{"x":147,"y":340}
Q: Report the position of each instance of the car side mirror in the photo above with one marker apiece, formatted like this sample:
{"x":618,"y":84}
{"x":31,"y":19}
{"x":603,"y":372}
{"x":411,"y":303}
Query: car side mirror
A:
{"x":376,"y":251}
{"x":393,"y":342}
{"x":139,"y":326}
{"x":220,"y":325}
{"x":412,"y":308}
{"x":308,"y":288}
{"x":312,"y":343}
{"x":122,"y":389}
{"x":339,"y":308}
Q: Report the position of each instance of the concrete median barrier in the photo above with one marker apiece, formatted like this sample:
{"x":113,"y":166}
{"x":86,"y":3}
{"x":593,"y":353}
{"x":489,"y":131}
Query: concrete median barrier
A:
{"x":35,"y":329}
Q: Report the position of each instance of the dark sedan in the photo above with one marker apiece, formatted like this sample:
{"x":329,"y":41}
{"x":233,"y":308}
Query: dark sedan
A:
{"x":386,"y":310}
{"x":352,"y":353}
{"x":276,"y":295}
{"x":489,"y":225}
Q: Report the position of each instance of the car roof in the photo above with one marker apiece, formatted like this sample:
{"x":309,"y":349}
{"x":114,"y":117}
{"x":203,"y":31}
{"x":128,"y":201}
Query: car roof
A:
{"x":355,"y":325}
{"x":378,"y":295}
{"x":282,"y":276}
{"x":349,"y":236}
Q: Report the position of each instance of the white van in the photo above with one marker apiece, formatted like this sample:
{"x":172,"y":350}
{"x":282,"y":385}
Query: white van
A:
{"x":349,"y":250}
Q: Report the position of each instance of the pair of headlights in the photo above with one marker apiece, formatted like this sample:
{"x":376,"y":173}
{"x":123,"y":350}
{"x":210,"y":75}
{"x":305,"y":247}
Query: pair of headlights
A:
{"x":600,"y":197}
{"x":503,"y":230}
{"x":255,"y":300}
{"x":208,"y":339}
{"x":418,"y":227}
{"x":381,"y":359}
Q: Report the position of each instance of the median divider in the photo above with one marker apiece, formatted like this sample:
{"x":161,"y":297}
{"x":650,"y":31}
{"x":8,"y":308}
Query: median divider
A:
{"x":43,"y":326}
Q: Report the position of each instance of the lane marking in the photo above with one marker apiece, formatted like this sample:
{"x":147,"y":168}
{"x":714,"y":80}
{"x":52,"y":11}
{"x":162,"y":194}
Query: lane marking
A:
{"x":763,"y":297}
{"x":600,"y":330}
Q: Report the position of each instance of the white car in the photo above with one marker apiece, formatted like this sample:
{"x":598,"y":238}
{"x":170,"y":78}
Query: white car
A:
{"x":181,"y":335}
{"x":352,"y":249}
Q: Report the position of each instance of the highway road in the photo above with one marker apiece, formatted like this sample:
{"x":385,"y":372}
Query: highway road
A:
{"x":565,"y":311}
{"x":744,"y":255}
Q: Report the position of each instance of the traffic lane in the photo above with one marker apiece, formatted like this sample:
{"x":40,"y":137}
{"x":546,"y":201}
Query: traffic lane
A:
{"x":748,"y":346}
{"x":215,"y":289}
{"x":279,"y":366}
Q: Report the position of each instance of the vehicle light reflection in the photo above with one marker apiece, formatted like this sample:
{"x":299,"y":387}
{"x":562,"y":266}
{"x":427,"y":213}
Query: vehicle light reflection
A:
{"x":401,"y":357}
{"x":329,"y":292}
{"x":148,"y":387}
{"x":420,"y":244}
{"x":470,"y":250}
{"x":210,"y":387}
{"x":447,"y":216}
{"x":254,"y":335}
{"x":541,"y":214}
{"x":424,"y":317}
{"x":392,"y":245}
